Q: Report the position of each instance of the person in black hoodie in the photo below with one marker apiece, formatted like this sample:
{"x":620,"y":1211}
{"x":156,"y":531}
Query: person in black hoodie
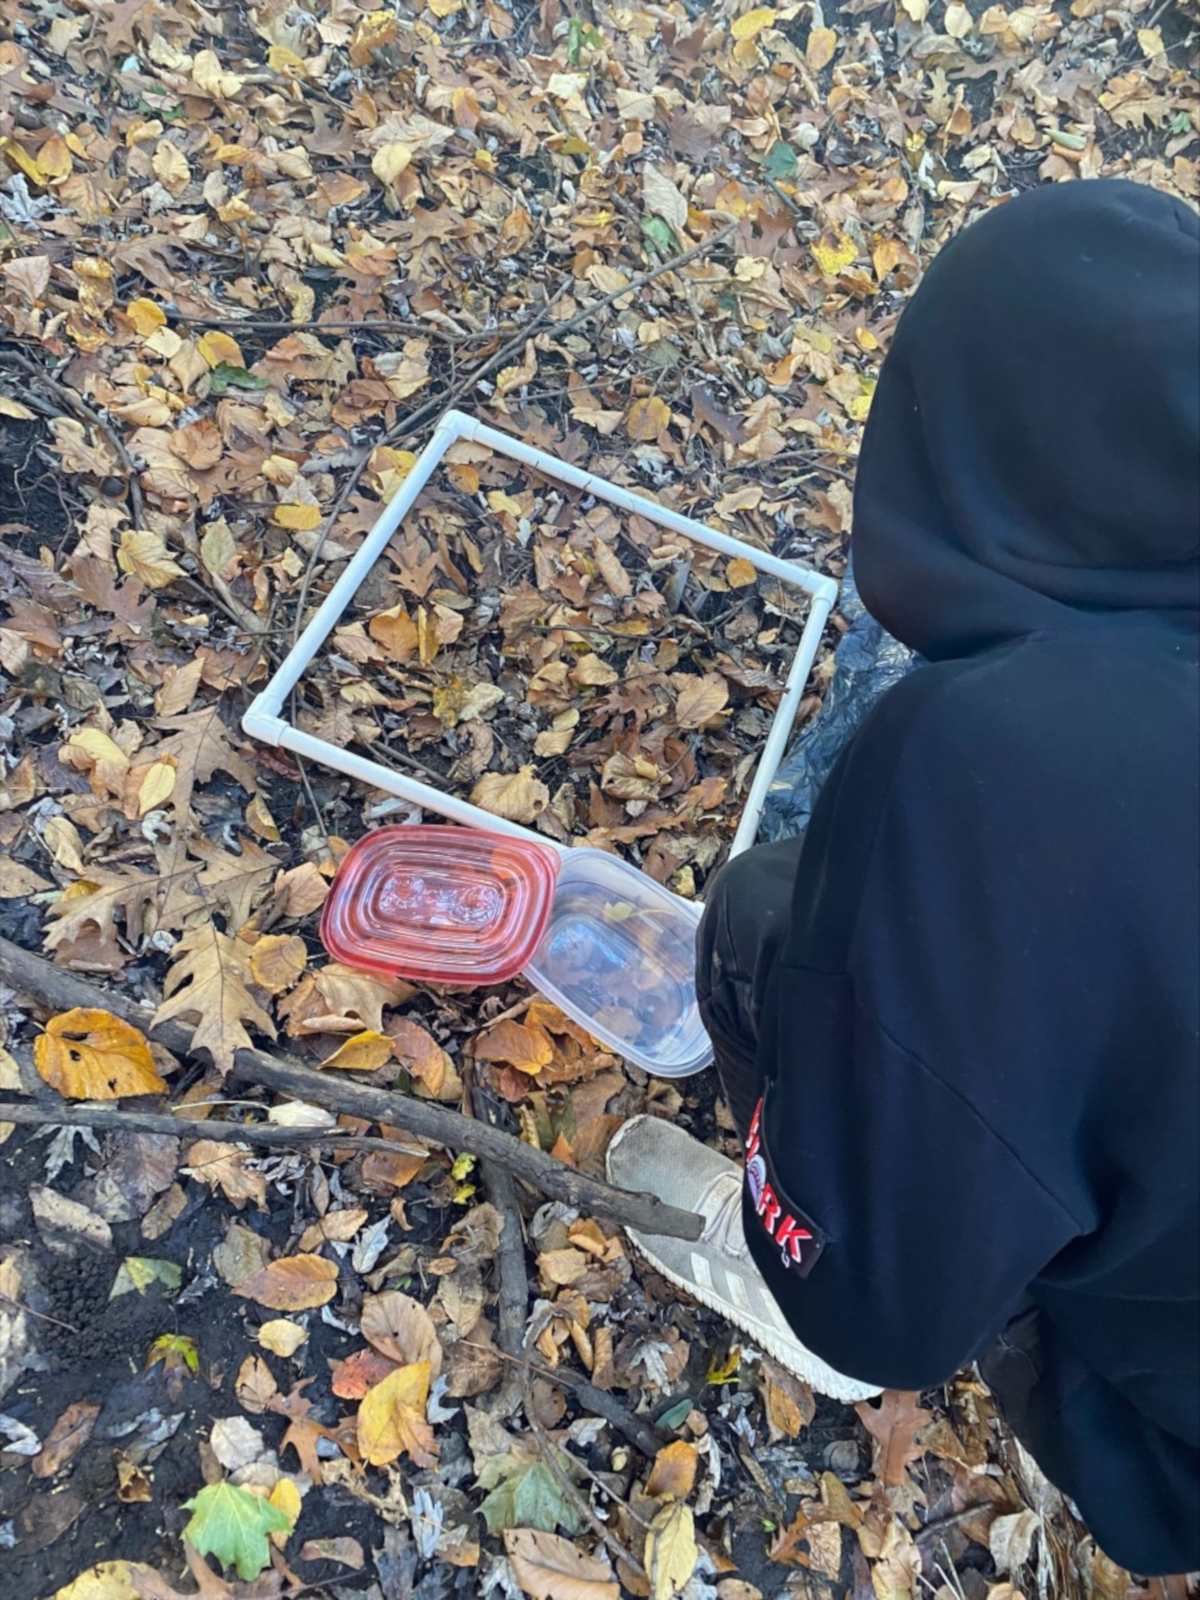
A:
{"x":958,"y":1024}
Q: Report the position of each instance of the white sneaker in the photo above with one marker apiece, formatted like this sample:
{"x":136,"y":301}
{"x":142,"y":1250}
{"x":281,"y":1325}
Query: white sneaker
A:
{"x":655,"y":1157}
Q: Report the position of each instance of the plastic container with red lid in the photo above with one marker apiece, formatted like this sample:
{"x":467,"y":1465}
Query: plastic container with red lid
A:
{"x":440,"y":904}
{"x":604,"y":942}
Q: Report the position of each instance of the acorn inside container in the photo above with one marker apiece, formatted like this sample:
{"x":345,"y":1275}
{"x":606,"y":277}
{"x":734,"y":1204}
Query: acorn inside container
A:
{"x":459,"y":907}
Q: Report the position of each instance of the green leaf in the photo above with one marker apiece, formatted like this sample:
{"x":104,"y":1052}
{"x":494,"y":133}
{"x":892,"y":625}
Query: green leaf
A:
{"x":526,"y":1494}
{"x":139,"y":1272}
{"x":780,"y":162}
{"x":660,"y":234}
{"x":176,"y":1352}
{"x":232,"y":1524}
{"x":677,"y":1415}
{"x":225,"y":377}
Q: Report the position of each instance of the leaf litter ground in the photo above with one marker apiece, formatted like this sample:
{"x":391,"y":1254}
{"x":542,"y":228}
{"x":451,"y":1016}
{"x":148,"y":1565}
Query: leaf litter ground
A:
{"x":246,"y":258}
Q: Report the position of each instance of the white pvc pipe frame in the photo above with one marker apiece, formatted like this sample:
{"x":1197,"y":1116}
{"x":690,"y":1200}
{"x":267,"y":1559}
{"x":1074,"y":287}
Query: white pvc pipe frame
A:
{"x":264,"y":719}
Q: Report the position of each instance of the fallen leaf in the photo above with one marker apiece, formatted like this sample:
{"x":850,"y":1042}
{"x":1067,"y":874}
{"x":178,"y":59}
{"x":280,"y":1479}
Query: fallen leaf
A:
{"x":277,"y":960}
{"x":391,"y":1419}
{"x":88,"y":1054}
{"x":519,"y":797}
{"x":226,"y":1167}
{"x":527,"y":1049}
{"x":419,"y":1052}
{"x":362,"y":1052}
{"x":1010,"y":1540}
{"x":647,"y":419}
{"x":550,"y":1568}
{"x":145,"y":554}
{"x":292,"y":1283}
{"x":663,"y":199}
{"x":752,"y":23}
{"x":208,"y":980}
{"x":66,"y":1438}
{"x":110,"y":1580}
{"x":701,"y":699}
{"x":821,"y":48}
{"x":137,"y":1273}
{"x":674,"y":1471}
{"x":894,"y":1424}
{"x":281,"y":1337}
{"x":740,"y":573}
{"x":232,"y":1524}
{"x":670,"y":1556}
{"x":401,"y":1329}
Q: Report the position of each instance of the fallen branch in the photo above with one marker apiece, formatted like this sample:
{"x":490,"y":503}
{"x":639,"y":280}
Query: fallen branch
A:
{"x":61,"y":990}
{"x":512,"y":1287}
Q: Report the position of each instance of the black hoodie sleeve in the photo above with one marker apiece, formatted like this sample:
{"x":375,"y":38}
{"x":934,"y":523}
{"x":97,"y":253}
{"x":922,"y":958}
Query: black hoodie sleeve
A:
{"x":886,"y":1044}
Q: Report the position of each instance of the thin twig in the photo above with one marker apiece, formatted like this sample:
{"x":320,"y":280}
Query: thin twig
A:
{"x":569,"y":1488}
{"x":76,"y":402}
{"x":42,"y":1316}
{"x":643,"y":1435}
{"x":512,"y":1293}
{"x":315,"y":325}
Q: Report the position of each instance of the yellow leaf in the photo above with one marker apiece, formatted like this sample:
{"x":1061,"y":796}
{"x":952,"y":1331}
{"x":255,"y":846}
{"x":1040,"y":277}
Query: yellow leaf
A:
{"x":277,"y":960}
{"x":389,"y":161}
{"x":285,"y":1497}
{"x":444,"y":8}
{"x":391,"y":1418}
{"x":740,"y":573}
{"x":111,"y":1580}
{"x":170,"y":167}
{"x":833,"y":254}
{"x":146,"y":315}
{"x":674,"y":1470}
{"x":281,"y":1337}
{"x":293,"y":1283}
{"x":918,"y":10}
{"x":54,"y":158}
{"x":647,"y":418}
{"x":671,"y":1552}
{"x":753,"y":22}
{"x":260,"y":820}
{"x":212,"y":78}
{"x":281,"y":59}
{"x":821,"y":48}
{"x":14,"y":409}
{"x":365,"y":1052}
{"x":87,"y":1054}
{"x":298,"y":517}
{"x":217,"y":347}
{"x":145,"y":553}
{"x":1150,"y":40}
{"x":157,"y":786}
{"x":23,"y":161}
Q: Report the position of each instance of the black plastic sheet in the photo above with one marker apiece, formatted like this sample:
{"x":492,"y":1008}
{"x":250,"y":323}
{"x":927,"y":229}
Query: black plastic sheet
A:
{"x":867,"y":662}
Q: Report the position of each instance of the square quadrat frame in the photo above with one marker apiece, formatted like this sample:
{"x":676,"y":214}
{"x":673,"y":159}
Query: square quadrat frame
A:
{"x":265,"y":719}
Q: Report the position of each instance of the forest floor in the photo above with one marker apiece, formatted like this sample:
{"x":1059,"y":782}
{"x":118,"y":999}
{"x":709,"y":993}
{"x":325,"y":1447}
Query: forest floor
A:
{"x":248,"y":256}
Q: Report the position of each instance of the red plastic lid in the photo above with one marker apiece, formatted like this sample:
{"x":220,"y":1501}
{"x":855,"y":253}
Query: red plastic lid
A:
{"x":440,"y":904}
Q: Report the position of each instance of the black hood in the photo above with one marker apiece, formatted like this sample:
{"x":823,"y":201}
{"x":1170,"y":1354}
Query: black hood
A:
{"x":1032,"y":456}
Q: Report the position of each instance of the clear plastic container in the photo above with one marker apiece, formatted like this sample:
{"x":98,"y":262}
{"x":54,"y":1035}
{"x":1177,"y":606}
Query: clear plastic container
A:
{"x":440,"y":904}
{"x":619,"y":955}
